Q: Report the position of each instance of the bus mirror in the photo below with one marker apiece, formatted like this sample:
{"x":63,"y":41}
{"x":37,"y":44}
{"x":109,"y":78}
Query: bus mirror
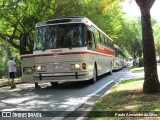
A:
{"x":25,"y":44}
{"x":23,"y":40}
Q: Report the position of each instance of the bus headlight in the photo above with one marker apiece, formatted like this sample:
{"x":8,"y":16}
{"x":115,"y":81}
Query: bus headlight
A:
{"x":75,"y":66}
{"x":27,"y":70}
{"x":40,"y":68}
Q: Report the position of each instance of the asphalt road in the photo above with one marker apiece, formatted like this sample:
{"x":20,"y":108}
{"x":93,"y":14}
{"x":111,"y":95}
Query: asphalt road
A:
{"x":65,"y":97}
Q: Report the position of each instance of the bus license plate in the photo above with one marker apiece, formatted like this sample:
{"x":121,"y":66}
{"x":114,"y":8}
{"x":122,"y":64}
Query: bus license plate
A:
{"x":58,"y":67}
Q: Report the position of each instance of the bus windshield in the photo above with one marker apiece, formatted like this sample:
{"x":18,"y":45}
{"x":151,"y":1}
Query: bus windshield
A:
{"x":60,"y":36}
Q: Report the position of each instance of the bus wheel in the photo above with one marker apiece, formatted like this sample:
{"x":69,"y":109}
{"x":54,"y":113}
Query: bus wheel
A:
{"x":110,"y":72}
{"x":37,"y":86}
{"x":54,"y":84}
{"x":94,"y":79}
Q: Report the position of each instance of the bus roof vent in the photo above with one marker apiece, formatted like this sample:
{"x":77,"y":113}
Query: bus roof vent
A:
{"x":58,"y":21}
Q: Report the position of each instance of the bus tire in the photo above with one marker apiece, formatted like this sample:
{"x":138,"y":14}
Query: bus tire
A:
{"x":37,"y":86}
{"x":54,"y":84}
{"x":94,"y":79}
{"x":110,"y":72}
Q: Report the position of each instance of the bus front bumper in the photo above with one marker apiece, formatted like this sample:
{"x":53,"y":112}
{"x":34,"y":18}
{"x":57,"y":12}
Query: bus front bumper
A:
{"x":61,"y":77}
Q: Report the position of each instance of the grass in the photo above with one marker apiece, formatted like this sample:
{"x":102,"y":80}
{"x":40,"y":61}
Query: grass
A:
{"x":135,"y":69}
{"x":126,"y":96}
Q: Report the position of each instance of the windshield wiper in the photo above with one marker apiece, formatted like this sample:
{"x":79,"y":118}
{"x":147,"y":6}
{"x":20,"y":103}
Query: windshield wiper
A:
{"x":48,"y":42}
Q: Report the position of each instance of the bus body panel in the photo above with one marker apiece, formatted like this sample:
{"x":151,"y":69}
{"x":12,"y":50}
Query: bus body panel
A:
{"x":58,"y":65}
{"x":27,"y":69}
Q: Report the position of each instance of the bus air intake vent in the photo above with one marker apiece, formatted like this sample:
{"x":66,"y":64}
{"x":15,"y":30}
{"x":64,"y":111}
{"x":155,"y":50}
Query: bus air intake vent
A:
{"x":59,"y":21}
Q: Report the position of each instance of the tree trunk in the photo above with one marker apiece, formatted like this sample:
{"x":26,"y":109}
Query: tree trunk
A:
{"x":151,"y":82}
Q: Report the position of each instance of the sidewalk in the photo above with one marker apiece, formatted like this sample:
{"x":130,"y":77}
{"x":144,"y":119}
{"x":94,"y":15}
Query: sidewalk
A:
{"x":6,"y":79}
{"x":6,"y":82}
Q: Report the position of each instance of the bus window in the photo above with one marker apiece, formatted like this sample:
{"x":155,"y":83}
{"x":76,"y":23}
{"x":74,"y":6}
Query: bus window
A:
{"x":111,"y":44}
{"x":60,"y":36}
{"x":104,"y":40}
{"x":100,"y":38}
{"x":116,"y":52}
{"x":97,"y":36}
{"x":91,"y":40}
{"x":84,"y":35}
{"x":107,"y":42}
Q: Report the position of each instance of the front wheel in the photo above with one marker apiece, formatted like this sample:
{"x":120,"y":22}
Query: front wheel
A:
{"x":37,"y":86}
{"x":94,"y":79}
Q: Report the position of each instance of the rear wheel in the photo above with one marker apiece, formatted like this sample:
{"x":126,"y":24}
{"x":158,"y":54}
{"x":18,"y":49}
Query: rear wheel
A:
{"x":110,"y":72}
{"x":54,"y":83}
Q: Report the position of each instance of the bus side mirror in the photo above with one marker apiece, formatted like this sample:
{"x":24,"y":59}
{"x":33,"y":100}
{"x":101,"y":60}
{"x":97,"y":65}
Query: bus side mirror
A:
{"x":23,"y":40}
{"x":25,"y":44}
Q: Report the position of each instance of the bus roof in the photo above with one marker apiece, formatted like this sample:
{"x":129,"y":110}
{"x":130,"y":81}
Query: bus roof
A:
{"x":61,"y":20}
{"x":68,"y":20}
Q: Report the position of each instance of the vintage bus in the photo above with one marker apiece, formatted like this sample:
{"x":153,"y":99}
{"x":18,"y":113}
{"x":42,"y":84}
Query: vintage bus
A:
{"x":119,"y":59}
{"x":66,"y":49}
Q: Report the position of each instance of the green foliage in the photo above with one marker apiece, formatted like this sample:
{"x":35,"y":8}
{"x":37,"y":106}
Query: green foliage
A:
{"x":6,"y":50}
{"x":108,"y":5}
{"x":131,"y":37}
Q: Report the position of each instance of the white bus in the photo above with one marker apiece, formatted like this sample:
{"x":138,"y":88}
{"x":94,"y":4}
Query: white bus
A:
{"x":66,"y":49}
{"x":119,"y":59}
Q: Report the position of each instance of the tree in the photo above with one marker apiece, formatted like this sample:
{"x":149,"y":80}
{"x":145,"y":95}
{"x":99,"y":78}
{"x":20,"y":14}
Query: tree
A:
{"x":130,"y":37}
{"x":20,"y":16}
{"x":151,"y":82}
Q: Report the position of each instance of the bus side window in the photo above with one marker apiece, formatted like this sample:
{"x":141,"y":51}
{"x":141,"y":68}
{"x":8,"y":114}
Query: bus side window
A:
{"x":100,"y":38}
{"x":112,"y":45}
{"x":97,"y":35}
{"x":94,"y":42}
{"x":104,"y":40}
{"x":107,"y":42}
{"x":91,"y":40}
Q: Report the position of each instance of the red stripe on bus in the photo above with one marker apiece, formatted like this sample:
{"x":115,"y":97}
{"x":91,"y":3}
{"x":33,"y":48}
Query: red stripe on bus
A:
{"x":55,"y":54}
{"x":102,"y":49}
